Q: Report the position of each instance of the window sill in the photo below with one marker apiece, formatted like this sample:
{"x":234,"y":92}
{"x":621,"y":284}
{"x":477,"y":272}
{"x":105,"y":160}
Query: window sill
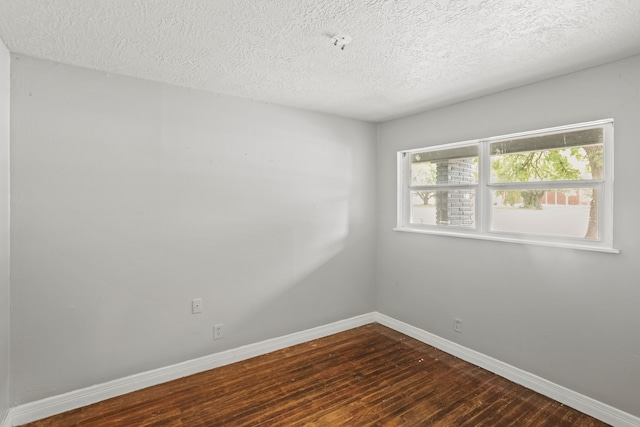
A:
{"x":509,"y":240}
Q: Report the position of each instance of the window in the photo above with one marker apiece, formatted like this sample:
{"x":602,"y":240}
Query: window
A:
{"x":550,"y":186}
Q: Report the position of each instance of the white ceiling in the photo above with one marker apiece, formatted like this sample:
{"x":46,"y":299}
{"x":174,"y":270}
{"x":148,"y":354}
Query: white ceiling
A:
{"x":406,"y":55}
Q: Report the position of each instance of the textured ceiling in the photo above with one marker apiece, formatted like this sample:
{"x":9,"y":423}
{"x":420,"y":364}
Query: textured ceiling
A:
{"x":406,"y":55}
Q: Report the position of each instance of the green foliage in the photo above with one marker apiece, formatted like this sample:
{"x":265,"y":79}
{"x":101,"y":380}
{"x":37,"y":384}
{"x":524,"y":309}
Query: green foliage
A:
{"x":535,"y":166}
{"x":423,"y":173}
{"x":547,"y":165}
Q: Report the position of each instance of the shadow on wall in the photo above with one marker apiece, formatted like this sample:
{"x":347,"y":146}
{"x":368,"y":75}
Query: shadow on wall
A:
{"x":132,"y":198}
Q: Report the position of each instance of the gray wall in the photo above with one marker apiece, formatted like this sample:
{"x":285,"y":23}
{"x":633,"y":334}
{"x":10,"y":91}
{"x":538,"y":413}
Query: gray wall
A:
{"x":569,"y":316}
{"x":130,"y":198}
{"x":4,"y":230}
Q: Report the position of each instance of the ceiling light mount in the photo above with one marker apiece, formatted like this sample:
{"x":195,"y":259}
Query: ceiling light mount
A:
{"x":341,"y":40}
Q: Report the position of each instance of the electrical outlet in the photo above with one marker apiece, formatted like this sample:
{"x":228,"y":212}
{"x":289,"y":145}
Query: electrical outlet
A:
{"x":196,"y":306}
{"x":457,"y":325}
{"x":217,"y":331}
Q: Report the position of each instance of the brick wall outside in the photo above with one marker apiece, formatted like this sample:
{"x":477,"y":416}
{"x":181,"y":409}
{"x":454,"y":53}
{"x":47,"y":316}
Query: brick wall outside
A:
{"x":455,"y":207}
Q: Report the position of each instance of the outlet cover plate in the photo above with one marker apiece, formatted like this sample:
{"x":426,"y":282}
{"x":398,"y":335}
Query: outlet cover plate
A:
{"x":457,"y":325}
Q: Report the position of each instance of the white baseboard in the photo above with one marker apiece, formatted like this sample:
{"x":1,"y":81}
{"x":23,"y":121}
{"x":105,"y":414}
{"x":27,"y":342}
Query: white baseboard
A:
{"x":582,"y":403}
{"x":57,"y":404}
{"x":39,"y":409}
{"x":5,"y":421}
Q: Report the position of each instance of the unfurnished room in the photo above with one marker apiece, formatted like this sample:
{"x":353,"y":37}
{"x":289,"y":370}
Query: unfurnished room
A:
{"x":319,"y":213}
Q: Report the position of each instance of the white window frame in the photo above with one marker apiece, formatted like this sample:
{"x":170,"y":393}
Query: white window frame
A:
{"x":484,"y":189}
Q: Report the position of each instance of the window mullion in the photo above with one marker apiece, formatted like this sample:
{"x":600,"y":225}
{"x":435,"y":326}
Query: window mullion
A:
{"x":545,"y":185}
{"x":442,"y":187}
{"x":403,"y":189}
{"x":484,"y":192}
{"x":606,"y":206}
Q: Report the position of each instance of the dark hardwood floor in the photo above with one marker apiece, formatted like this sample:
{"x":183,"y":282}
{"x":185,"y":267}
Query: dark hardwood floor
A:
{"x":368,"y":376}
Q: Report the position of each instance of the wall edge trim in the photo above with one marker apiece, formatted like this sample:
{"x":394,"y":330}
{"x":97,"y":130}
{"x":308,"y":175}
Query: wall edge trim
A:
{"x":39,"y":409}
{"x":7,"y":418}
{"x":54,"y":405}
{"x":580,"y":402}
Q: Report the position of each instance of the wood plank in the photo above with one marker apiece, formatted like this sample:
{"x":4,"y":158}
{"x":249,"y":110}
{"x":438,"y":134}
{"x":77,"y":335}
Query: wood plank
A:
{"x":367,"y":376}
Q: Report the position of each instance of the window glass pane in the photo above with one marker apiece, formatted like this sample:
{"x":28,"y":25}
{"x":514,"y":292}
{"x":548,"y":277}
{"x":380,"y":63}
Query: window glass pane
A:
{"x":576,"y":155}
{"x":449,"y":208}
{"x":568,"y":212}
{"x":447,"y":166}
